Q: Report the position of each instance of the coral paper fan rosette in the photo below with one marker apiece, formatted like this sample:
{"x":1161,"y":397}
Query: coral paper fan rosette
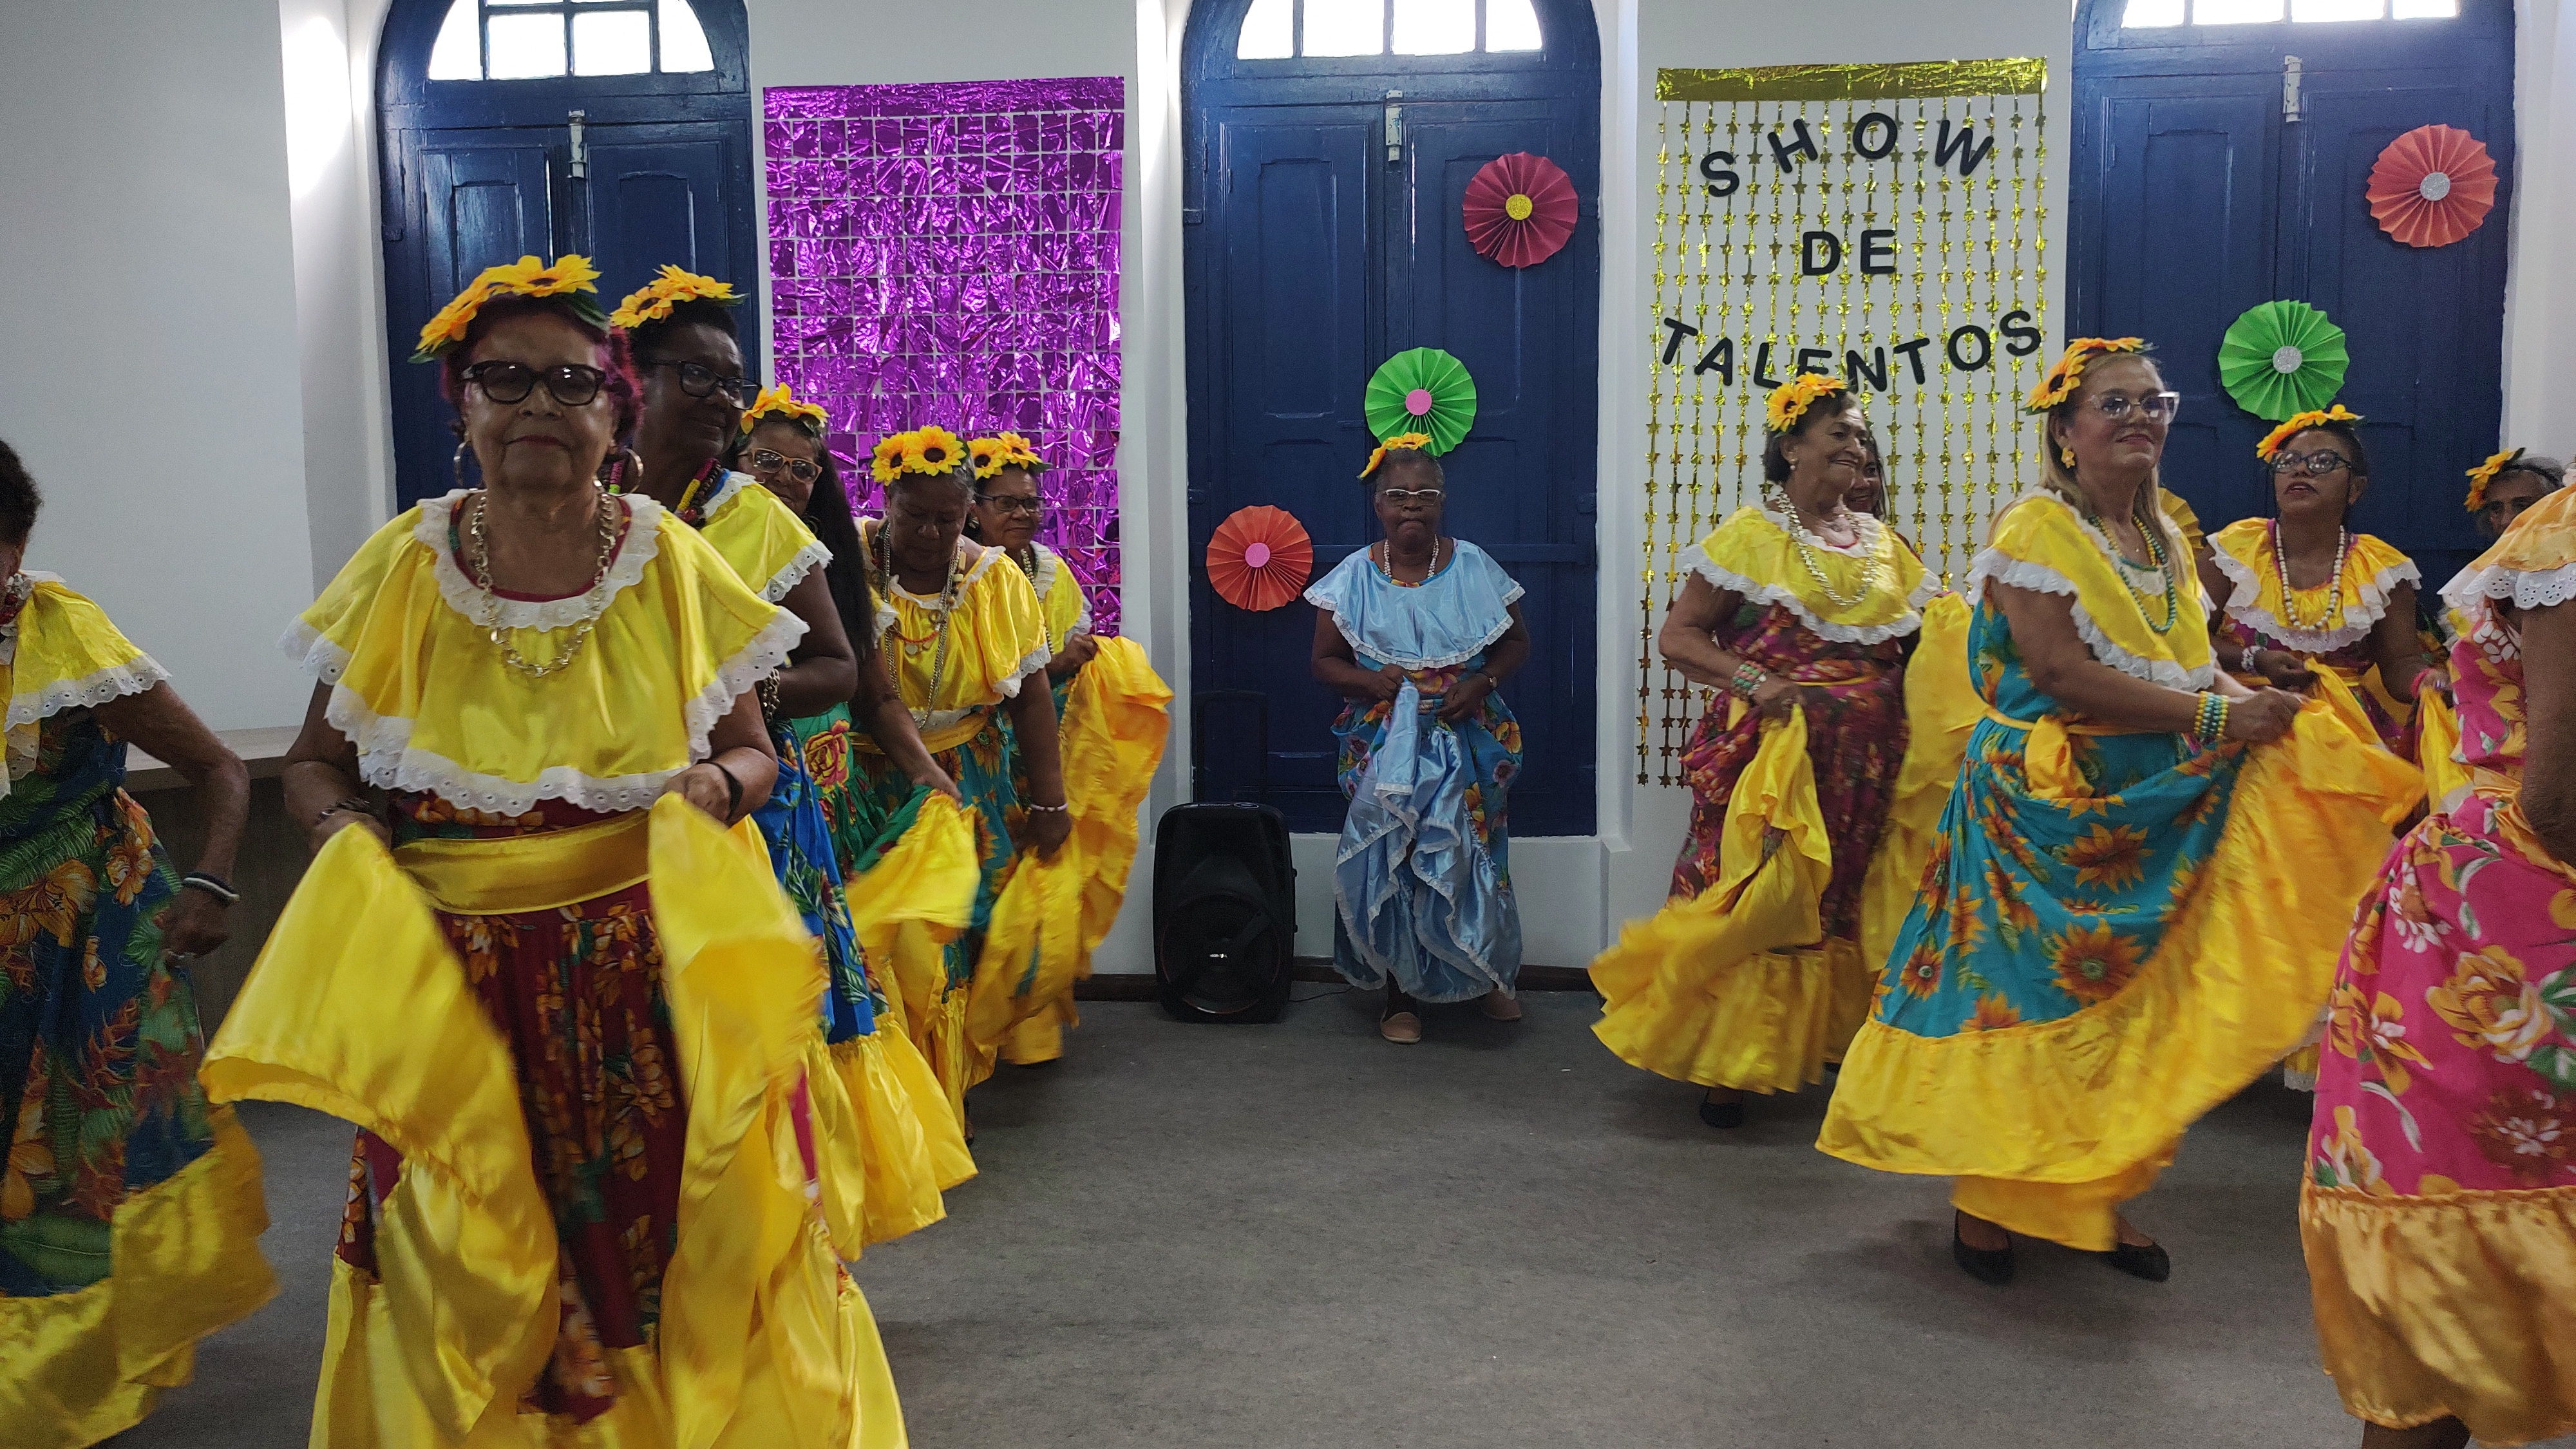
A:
{"x":1519,"y":209}
{"x":653,"y":301}
{"x":1422,"y":391}
{"x":1259,"y":557}
{"x":2282,"y":358}
{"x":2432,"y":186}
{"x":571,"y":277}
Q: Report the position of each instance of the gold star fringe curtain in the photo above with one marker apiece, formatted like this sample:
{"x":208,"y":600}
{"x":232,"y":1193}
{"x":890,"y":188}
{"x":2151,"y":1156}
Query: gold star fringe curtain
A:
{"x":1880,"y":222}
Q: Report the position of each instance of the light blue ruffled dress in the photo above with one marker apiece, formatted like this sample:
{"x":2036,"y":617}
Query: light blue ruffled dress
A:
{"x":1422,"y":882}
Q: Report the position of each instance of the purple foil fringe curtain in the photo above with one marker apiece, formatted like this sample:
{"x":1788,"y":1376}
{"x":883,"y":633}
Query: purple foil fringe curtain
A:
{"x":948,"y":253}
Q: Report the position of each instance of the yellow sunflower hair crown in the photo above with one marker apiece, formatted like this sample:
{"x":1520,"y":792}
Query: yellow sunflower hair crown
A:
{"x":2300,"y":423}
{"x":2489,"y":471}
{"x":2067,"y":373}
{"x":1400,"y":443}
{"x":654,"y":300}
{"x":778,"y":402}
{"x":1790,"y":400}
{"x":1004,"y":450}
{"x":570,"y":277}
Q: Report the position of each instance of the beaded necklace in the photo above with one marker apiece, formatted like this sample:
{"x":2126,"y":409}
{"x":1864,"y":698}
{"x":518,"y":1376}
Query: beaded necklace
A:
{"x":939,"y":629}
{"x":1873,"y":574}
{"x":2164,"y":568}
{"x":1377,"y":556}
{"x":594,"y":598}
{"x":2289,"y":596}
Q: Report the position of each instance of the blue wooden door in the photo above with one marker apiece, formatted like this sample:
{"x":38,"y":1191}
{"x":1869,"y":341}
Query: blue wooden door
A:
{"x":478,"y":171}
{"x":1315,"y":250}
{"x":2201,"y":189}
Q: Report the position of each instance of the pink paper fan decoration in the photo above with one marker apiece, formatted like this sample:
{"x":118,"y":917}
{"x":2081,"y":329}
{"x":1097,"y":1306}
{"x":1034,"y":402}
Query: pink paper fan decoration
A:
{"x":1519,"y":209}
{"x":2432,"y":186}
{"x":1259,"y":558}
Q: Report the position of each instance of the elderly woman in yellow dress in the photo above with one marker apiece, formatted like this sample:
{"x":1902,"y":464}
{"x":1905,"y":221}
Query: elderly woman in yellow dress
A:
{"x":130,"y":1211}
{"x":2131,"y":908}
{"x":1798,"y":612}
{"x":569,"y":1009}
{"x":1113,"y":712}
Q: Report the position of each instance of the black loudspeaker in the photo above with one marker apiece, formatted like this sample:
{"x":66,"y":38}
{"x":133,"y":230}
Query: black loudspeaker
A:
{"x":1225,"y":901}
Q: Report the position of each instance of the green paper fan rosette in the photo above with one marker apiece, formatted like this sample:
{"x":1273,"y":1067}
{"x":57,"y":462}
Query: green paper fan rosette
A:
{"x":2281,"y":359}
{"x":1422,"y":391}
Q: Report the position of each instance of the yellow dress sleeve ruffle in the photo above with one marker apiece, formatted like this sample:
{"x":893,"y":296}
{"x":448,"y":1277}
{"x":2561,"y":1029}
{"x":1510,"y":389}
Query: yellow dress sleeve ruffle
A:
{"x":1715,"y":989}
{"x":1066,"y":607}
{"x":1942,"y":708}
{"x":2040,"y":543}
{"x":769,"y":547}
{"x":2185,"y":521}
{"x":78,"y":1368}
{"x":417,"y":685}
{"x":2437,"y":745}
{"x":69,"y":656}
{"x":2534,"y":564}
{"x":998,"y":639}
{"x":1751,"y":554}
{"x":2372,"y":573}
{"x":357,"y":1008}
{"x":2100,"y":1097}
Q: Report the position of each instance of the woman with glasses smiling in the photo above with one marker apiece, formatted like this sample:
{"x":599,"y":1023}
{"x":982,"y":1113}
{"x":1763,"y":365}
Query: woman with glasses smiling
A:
{"x":1111,"y":709}
{"x":2300,"y":591}
{"x":2134,"y":906}
{"x":1418,"y":631}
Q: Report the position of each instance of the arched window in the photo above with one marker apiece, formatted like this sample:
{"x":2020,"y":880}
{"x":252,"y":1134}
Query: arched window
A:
{"x":544,"y":39}
{"x":2155,"y":14}
{"x":1289,"y":29}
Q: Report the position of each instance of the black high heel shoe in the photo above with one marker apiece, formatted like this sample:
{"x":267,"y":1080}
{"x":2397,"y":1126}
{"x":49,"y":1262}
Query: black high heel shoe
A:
{"x":1725,"y":1116}
{"x":2140,"y":1260}
{"x":1990,"y":1266}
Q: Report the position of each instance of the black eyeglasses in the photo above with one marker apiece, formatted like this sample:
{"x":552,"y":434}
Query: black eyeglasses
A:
{"x":803,"y":470}
{"x":2315,"y":465}
{"x":572,"y":384}
{"x":1016,"y":507}
{"x":699,"y":380}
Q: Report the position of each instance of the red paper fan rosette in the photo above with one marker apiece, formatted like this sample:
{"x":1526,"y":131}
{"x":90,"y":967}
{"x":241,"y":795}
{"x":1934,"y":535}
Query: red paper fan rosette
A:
{"x":2432,"y":186}
{"x":1519,"y":210}
{"x":1259,"y":558}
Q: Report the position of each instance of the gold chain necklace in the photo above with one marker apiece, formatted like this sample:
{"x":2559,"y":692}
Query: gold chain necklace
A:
{"x":594,"y":598}
{"x":1873,"y":572}
{"x":947,"y":609}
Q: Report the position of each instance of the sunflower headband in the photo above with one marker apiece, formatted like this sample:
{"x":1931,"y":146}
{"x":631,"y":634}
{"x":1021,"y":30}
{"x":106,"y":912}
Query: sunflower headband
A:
{"x":2067,"y":373}
{"x":1400,"y":443}
{"x":2300,"y":423}
{"x":569,"y":278}
{"x":1009,"y":450}
{"x":932,"y":450}
{"x":653,"y":301}
{"x":1790,"y":400}
{"x":2489,"y":471}
{"x":777,"y":402}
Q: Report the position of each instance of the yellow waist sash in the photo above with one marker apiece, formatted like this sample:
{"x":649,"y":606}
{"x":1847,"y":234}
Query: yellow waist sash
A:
{"x":943,"y":739}
{"x":518,"y":874}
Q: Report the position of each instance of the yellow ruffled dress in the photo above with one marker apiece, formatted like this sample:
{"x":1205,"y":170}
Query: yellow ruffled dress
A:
{"x":956,"y":663}
{"x":130,"y":1209}
{"x":1753,"y":976}
{"x":888,"y":1145}
{"x":2113,"y":930}
{"x":1113,"y":717}
{"x":2333,"y":633}
{"x":572,"y":1020}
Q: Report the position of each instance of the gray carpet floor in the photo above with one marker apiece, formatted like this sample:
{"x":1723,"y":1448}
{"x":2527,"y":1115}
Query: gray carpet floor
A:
{"x":1298,"y":1235}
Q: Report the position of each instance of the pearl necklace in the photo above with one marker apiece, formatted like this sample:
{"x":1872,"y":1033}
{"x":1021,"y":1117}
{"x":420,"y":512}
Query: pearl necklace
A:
{"x":939,"y":630}
{"x":2290,"y":597}
{"x":1873,"y":574}
{"x":1378,"y":556}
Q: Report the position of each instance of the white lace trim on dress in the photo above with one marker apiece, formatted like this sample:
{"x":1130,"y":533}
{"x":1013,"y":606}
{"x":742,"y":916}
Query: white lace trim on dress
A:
{"x":2244,"y":605}
{"x":1696,"y":560}
{"x":116,"y":681}
{"x":626,"y":567}
{"x":2528,"y":589}
{"x":2002,"y":568}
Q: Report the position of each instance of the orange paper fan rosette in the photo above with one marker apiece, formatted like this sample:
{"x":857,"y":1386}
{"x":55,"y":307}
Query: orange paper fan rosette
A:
{"x":1258,"y":559}
{"x":2432,"y":186}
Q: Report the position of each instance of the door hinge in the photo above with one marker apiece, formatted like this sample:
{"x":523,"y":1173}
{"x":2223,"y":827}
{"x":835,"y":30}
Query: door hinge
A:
{"x":1193,"y":215}
{"x":580,"y":146}
{"x":2290,"y":71}
{"x":1394,"y":126}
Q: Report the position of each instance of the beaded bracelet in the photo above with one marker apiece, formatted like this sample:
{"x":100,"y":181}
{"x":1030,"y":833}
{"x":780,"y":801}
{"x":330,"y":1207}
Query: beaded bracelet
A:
{"x":1049,"y":809}
{"x":2210,"y":722}
{"x":1748,"y":678}
{"x":213,"y":885}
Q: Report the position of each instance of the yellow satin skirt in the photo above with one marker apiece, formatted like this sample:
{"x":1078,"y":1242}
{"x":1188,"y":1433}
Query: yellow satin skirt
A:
{"x":358,"y":1008}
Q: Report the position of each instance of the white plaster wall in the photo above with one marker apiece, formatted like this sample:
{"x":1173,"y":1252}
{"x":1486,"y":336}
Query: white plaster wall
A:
{"x":2540,"y":274}
{"x":151,"y":376}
